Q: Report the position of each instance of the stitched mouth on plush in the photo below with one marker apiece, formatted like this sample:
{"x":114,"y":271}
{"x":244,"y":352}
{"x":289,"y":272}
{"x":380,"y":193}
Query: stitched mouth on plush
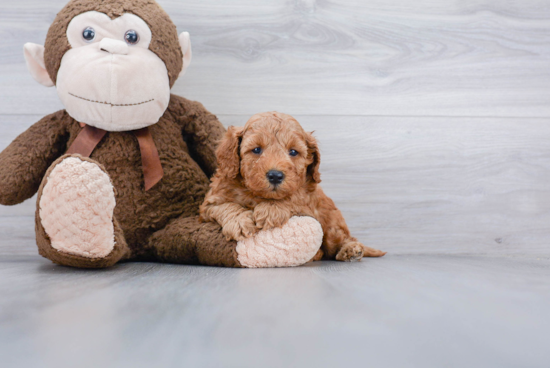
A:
{"x":112,"y":104}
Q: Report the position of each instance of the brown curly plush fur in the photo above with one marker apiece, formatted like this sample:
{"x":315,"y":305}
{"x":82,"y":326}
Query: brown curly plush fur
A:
{"x":243,"y":201}
{"x":159,"y":224}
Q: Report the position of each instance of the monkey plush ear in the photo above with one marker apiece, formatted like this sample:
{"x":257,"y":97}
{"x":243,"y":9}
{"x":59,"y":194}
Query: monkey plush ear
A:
{"x":185,"y":43}
{"x":34,"y":56}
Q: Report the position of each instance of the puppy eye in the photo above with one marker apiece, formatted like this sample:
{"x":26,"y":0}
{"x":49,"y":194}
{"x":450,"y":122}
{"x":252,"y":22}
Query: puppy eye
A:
{"x":131,"y":37}
{"x":293,"y":152}
{"x":257,"y":150}
{"x":88,"y":34}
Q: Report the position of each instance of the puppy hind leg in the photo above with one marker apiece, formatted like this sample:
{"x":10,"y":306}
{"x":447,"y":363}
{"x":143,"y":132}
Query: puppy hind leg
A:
{"x":340,"y":245}
{"x":350,"y":251}
{"x":371,"y":252}
{"x":317,"y":257}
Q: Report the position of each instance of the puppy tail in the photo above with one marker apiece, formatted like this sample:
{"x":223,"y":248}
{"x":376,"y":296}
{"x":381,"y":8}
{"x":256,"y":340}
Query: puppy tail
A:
{"x":371,"y":252}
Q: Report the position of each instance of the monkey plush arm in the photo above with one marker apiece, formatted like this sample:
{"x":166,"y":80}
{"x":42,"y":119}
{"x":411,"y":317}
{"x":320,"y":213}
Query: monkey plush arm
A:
{"x":25,"y":161}
{"x":201,"y":130}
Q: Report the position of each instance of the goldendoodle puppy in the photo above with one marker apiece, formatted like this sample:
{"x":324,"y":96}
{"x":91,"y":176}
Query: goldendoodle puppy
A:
{"x":268,"y":171}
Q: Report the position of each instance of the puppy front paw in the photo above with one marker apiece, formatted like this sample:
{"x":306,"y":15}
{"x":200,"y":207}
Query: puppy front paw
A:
{"x":268,"y":216}
{"x":350,"y":252}
{"x":240,"y":228}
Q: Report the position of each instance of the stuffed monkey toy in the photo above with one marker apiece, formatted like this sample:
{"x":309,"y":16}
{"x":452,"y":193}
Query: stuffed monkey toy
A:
{"x":121,"y":172}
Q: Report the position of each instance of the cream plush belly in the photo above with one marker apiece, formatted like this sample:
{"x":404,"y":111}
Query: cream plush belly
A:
{"x":293,"y":244}
{"x":76,"y":209}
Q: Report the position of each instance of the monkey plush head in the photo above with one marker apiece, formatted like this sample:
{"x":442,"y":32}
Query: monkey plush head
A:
{"x":113,"y":62}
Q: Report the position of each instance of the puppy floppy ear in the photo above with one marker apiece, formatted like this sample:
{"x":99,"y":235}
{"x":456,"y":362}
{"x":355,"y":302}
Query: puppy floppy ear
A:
{"x":228,"y":156}
{"x":313,"y":174}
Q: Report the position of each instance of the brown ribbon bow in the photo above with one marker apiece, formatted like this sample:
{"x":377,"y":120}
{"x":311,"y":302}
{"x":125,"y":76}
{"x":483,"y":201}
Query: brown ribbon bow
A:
{"x":89,"y":137}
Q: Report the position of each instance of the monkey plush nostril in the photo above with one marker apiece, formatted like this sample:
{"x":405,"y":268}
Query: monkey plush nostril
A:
{"x":114,"y":46}
{"x":275,"y":177}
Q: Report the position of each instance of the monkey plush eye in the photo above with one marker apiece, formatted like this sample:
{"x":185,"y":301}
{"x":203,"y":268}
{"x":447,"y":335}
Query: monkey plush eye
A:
{"x":88,"y":34}
{"x":293,"y":152}
{"x":257,"y":150}
{"x":131,"y":37}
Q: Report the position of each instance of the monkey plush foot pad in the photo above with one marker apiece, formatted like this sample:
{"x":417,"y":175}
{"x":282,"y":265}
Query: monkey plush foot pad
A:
{"x":76,"y":209}
{"x":294,"y":244}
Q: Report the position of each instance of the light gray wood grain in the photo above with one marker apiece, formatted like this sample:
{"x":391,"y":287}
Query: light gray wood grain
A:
{"x":467,"y":58}
{"x":415,"y":185}
{"x":375,"y":80}
{"x":397,"y":311}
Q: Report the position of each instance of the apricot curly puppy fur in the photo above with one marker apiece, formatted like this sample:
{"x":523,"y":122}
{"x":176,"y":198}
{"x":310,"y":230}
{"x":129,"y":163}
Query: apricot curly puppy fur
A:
{"x":268,"y":171}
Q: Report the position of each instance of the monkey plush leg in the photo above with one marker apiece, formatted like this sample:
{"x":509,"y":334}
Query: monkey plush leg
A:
{"x":75,"y":224}
{"x":292,"y":244}
{"x":186,"y":240}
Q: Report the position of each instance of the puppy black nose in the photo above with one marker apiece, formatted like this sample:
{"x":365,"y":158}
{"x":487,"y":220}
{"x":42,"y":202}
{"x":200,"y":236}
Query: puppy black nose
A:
{"x":275,"y":177}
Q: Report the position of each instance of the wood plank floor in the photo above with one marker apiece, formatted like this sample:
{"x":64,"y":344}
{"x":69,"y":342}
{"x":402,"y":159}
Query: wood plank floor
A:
{"x":434,"y":126}
{"x":397,"y":311}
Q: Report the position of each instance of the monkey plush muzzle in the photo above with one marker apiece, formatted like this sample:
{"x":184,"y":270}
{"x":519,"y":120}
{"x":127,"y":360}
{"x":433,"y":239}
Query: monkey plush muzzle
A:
{"x":106,"y":81}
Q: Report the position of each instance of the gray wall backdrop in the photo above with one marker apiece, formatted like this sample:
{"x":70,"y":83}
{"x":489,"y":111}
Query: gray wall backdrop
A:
{"x":433,"y":116}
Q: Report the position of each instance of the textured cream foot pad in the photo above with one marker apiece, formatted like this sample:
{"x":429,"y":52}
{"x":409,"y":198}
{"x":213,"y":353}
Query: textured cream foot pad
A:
{"x":76,"y":209}
{"x":293,"y":244}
